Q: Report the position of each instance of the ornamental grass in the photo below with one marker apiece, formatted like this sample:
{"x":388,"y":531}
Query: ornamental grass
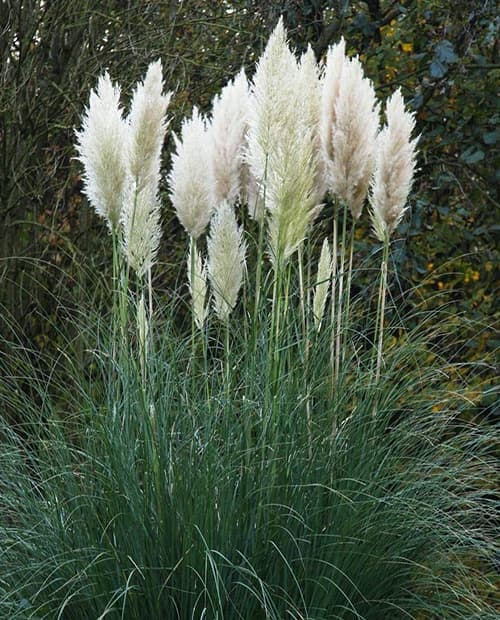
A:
{"x":261,"y":444}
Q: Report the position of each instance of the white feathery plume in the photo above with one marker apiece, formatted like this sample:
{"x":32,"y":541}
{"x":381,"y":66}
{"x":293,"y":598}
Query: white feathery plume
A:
{"x":226,"y":260}
{"x":281,"y":147}
{"x":290,"y":198}
{"x":330,"y":88}
{"x":140,"y":216}
{"x":191,"y":180}
{"x":103,"y":149}
{"x":353,"y":134}
{"x":141,"y":229}
{"x":394,"y":168}
{"x":251,"y":194}
{"x":142,"y":325}
{"x":228,"y":129}
{"x":322,"y":284}
{"x":272,"y":96}
{"x":197,"y":286}
{"x":309,"y":85}
{"x":148,"y":124}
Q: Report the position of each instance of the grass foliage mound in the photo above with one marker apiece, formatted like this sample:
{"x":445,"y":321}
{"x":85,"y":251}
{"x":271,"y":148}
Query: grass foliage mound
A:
{"x":164,"y":492}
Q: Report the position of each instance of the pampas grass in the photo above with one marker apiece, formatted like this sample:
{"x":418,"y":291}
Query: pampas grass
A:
{"x":281,"y":147}
{"x":394,"y":168}
{"x":229,"y":126}
{"x":190,"y":179}
{"x":103,"y":145}
{"x":140,"y":214}
{"x":349,"y":122}
{"x":322,"y":284}
{"x":146,"y":476}
{"x":197,"y":277}
{"x":391,"y":184}
{"x":354,"y":131}
{"x":226,"y":260}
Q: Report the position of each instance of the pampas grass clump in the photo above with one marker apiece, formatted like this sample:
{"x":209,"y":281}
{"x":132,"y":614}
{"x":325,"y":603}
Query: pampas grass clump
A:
{"x":292,"y":455}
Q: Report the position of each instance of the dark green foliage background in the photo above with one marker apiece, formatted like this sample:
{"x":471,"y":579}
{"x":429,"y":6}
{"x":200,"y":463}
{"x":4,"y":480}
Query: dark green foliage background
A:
{"x":443,"y":54}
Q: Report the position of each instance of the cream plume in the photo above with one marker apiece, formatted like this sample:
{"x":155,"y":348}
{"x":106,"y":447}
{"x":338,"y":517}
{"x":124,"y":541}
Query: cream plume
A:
{"x":103,"y":149}
{"x":226,"y":260}
{"x":197,"y":286}
{"x":141,"y":229}
{"x":142,"y":326}
{"x":251,"y":194}
{"x":330,"y":88}
{"x":310,"y":86}
{"x":148,"y":124}
{"x":290,"y":198}
{"x":140,"y":216}
{"x":191,"y":179}
{"x":394,"y":168}
{"x":281,"y":146}
{"x":322,"y":284}
{"x":272,"y":96}
{"x":228,"y":130}
{"x":353,"y":132}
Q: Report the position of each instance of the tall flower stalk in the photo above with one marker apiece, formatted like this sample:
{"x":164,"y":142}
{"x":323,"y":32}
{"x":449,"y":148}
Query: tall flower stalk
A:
{"x":349,"y":122}
{"x":228,"y":129}
{"x":192,"y":189}
{"x":103,"y":148}
{"x":140,"y":215}
{"x":391,"y":184}
{"x":121,"y":159}
{"x":281,"y":150}
{"x":283,"y":157}
{"x":226,"y":267}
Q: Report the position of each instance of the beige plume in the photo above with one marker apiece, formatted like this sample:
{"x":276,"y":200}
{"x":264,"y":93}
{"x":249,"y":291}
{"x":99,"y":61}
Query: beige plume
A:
{"x":394,"y":168}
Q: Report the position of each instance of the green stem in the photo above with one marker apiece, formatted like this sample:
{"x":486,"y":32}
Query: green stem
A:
{"x":274,"y":349}
{"x":275,"y":321}
{"x":260,"y":261}
{"x":114,"y":291}
{"x":348,"y":287}
{"x":258,"y":275}
{"x":302,"y":296}
{"x":340,"y":318}
{"x":192,"y":252}
{"x":227,"y":360}
{"x":381,"y":309}
{"x":304,"y":303}
{"x":333,"y":316}
{"x":150,"y":292}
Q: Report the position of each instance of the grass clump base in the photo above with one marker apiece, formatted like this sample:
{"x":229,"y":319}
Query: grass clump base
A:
{"x":168,"y":495}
